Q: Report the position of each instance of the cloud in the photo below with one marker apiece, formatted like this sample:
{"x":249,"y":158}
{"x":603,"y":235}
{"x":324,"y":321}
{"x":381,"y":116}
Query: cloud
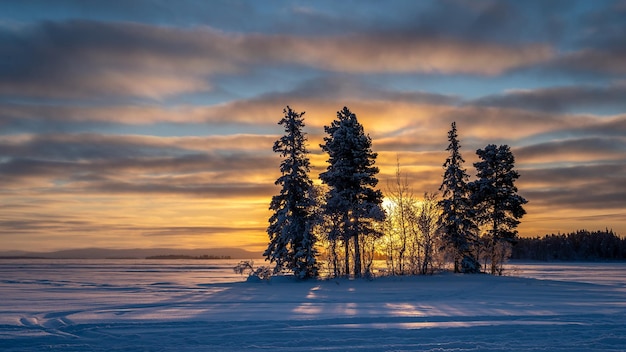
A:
{"x":607,"y":62}
{"x":579,"y":150}
{"x":107,"y":146}
{"x":95,"y":60}
{"x":596,"y":186}
{"x":320,"y":97}
{"x":229,"y":190}
{"x":405,"y":54}
{"x":224,"y":166}
{"x":197,"y":230}
{"x":203,"y":166}
{"x":87,"y":146}
{"x":603,"y":27}
{"x":494,"y":20}
{"x":595,"y":45}
{"x":411,"y":113}
{"x":67,"y":117}
{"x":29,"y":226}
{"x":561,"y":99}
{"x":579,"y":198}
{"x":136,"y":177}
{"x":337,"y":87}
{"x":84,"y":103}
{"x":500,"y":124}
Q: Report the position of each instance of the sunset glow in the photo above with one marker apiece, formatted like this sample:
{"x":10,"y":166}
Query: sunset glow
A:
{"x":154,"y":126}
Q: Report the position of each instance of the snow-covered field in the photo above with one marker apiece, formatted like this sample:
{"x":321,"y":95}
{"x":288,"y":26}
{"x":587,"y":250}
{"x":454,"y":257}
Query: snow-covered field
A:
{"x":203,"y":306}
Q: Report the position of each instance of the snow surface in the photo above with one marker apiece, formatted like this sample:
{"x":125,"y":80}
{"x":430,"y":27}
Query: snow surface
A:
{"x":203,"y":306}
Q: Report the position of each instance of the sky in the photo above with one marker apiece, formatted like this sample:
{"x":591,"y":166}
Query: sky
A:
{"x":128,"y":124}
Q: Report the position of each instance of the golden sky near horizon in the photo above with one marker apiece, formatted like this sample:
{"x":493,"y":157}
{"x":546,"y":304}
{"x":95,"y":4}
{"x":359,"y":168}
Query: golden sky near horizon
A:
{"x":131,"y":126}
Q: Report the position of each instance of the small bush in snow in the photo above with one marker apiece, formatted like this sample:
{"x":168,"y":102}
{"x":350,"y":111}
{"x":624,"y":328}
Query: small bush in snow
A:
{"x":247,"y":267}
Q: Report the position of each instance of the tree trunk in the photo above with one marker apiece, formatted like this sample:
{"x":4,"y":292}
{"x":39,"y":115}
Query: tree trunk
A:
{"x":494,"y":241}
{"x":346,"y":244}
{"x":427,"y":259}
{"x":334,"y":256}
{"x":494,"y":256}
{"x":357,"y":257}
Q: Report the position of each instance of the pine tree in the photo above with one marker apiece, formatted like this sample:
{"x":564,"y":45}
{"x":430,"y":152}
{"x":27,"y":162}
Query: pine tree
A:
{"x":459,"y":230}
{"x":351,"y":179}
{"x":496,"y":200}
{"x":292,"y":241}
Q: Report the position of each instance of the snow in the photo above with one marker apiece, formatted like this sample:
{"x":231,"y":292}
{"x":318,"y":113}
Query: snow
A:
{"x":203,"y":306}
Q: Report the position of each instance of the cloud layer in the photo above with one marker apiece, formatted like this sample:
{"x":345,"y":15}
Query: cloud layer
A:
{"x":121,"y":126}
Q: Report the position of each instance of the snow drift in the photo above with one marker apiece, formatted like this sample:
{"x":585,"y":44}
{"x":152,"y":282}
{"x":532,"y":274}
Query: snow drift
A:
{"x":175,"y":308}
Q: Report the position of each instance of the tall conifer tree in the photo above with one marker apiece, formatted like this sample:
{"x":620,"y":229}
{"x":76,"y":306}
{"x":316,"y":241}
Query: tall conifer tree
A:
{"x":292,"y":241}
{"x":456,"y":221}
{"x":496,"y":200}
{"x":351,"y":179}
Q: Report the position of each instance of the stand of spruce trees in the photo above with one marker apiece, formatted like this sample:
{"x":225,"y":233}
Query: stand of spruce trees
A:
{"x":579,"y":245}
{"x":472,"y":222}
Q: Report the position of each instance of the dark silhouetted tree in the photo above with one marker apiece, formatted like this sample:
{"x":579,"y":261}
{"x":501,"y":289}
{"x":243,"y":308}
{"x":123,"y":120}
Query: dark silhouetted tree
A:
{"x":496,"y":200}
{"x":459,"y":229}
{"x":350,"y":178}
{"x":292,"y":241}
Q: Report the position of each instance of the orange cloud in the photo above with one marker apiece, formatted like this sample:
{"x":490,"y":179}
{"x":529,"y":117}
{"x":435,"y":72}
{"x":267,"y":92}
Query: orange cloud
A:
{"x":404,"y":54}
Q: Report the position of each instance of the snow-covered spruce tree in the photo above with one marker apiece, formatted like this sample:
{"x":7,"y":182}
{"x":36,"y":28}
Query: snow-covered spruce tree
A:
{"x":292,"y":241}
{"x":496,"y":200}
{"x":350,"y":178}
{"x":459,"y":229}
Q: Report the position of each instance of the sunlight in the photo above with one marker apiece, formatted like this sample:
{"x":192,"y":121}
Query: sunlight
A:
{"x":388,"y":204}
{"x":308,"y":308}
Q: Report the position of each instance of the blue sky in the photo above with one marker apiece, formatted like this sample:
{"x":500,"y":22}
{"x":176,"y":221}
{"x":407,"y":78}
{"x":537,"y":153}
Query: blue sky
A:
{"x":150,"y":123}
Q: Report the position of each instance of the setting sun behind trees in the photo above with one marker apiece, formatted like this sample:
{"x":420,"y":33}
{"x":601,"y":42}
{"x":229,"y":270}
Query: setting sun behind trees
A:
{"x":344,"y":222}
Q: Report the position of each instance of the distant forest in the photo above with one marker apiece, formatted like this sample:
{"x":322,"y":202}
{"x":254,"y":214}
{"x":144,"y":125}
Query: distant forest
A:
{"x":579,"y":245}
{"x":183,"y":256}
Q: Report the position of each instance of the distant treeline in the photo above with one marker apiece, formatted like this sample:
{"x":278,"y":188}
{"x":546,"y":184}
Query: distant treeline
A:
{"x":180,"y":256}
{"x":579,"y":245}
